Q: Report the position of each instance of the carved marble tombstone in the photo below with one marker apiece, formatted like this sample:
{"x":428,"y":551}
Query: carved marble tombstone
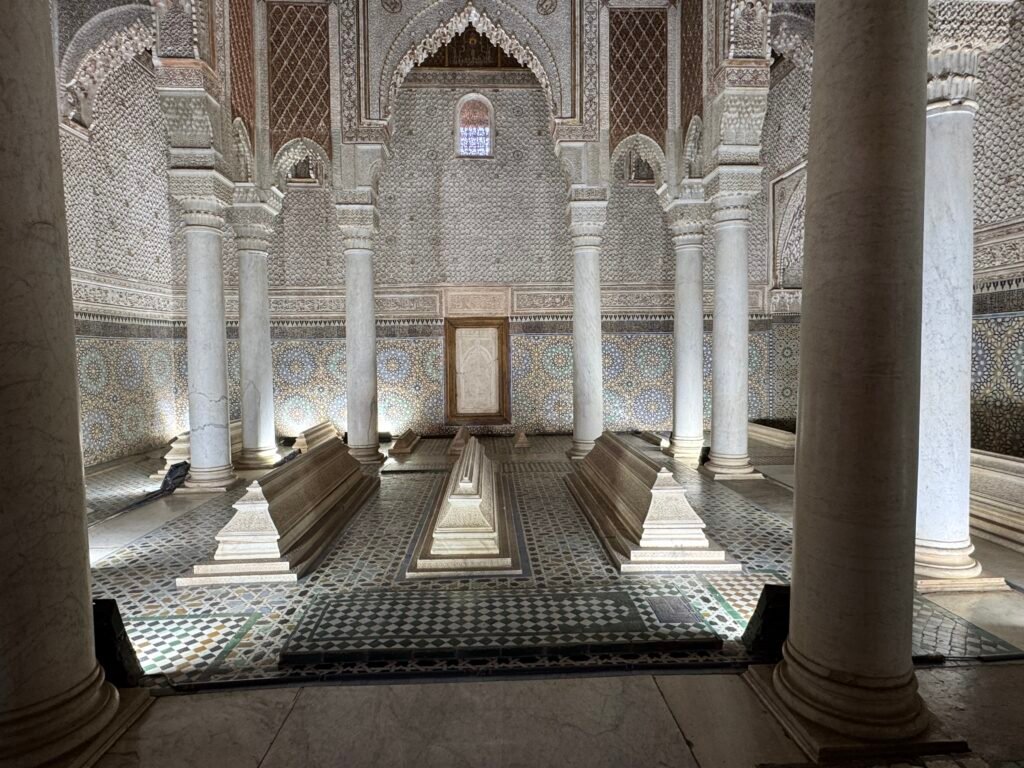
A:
{"x":641,"y":513}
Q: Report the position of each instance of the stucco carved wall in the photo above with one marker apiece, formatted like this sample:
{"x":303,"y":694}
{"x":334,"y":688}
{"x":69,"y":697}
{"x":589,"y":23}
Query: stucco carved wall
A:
{"x":116,"y":183}
{"x":446,"y":219}
{"x":636,"y":247}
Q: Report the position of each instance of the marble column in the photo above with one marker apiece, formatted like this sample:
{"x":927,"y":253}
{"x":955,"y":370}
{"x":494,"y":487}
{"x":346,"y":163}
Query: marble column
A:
{"x":208,"y":408}
{"x":587,"y":224}
{"x":259,"y":439}
{"x":688,"y":337}
{"x":847,"y":662}
{"x":358,"y":227}
{"x":944,"y":545}
{"x":728,"y":459}
{"x":53,"y":697}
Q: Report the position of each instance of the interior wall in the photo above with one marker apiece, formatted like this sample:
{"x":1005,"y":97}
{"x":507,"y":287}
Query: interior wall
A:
{"x":997,"y":393}
{"x":448,"y":219}
{"x":997,"y":386}
{"x":130,"y":365}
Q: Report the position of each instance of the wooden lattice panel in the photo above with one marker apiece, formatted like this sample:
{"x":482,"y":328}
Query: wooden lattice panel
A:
{"x":300,"y":81}
{"x":638,"y":87}
{"x":691,"y":49}
{"x":243,"y":84}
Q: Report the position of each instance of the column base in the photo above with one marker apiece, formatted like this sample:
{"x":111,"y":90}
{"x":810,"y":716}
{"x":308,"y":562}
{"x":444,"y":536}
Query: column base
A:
{"x":53,"y":728}
{"x":857,"y":708}
{"x":821,"y":744}
{"x":580,"y":449}
{"x":366,"y":454}
{"x":685,"y":450}
{"x":729,"y":468}
{"x":945,"y":562}
{"x":258,"y":458}
{"x":210,"y":480}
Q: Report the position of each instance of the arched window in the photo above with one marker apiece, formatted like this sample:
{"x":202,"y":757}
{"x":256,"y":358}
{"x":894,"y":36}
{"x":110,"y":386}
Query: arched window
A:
{"x":474,"y":119}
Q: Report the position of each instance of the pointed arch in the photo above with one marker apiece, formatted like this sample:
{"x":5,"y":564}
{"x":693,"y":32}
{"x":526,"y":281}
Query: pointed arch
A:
{"x":509,"y":43}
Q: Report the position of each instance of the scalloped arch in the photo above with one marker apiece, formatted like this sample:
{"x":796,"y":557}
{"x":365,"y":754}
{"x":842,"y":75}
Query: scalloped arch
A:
{"x":649,"y":150}
{"x":295,"y":151}
{"x":446,"y":31}
{"x":692,"y":154}
{"x":243,"y":148}
{"x":107,"y":41}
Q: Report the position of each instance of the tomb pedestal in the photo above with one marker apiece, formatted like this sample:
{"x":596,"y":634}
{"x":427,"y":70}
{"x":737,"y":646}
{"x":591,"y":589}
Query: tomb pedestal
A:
{"x":641,"y":513}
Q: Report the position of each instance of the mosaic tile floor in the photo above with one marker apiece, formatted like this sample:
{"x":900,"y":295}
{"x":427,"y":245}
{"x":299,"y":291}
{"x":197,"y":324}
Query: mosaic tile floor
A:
{"x":354,"y":616}
{"x":111,"y":489}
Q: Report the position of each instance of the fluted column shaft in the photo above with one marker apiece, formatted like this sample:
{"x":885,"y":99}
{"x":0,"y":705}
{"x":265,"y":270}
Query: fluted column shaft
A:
{"x":944,"y":545}
{"x":587,"y":383}
{"x":53,"y":697}
{"x":688,"y":340}
{"x":847,"y":661}
{"x":259,"y":439}
{"x":730,"y":342}
{"x":361,"y":342}
{"x":208,"y":406}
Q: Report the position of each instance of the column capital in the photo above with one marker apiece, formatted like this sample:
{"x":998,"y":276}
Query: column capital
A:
{"x":959,"y":34}
{"x":202,"y":212}
{"x":252,"y":216}
{"x":731,"y":207}
{"x":686,"y":221}
{"x":203,"y":194}
{"x":587,"y":220}
{"x":358,"y":224}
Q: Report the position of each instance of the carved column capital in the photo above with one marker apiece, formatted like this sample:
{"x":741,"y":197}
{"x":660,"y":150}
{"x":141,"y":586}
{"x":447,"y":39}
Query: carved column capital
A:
{"x":731,"y":207}
{"x":203,"y":194}
{"x":205,"y":212}
{"x":587,"y":220}
{"x":252,"y":217}
{"x":959,"y":35}
{"x":358,"y":224}
{"x":686,"y":222}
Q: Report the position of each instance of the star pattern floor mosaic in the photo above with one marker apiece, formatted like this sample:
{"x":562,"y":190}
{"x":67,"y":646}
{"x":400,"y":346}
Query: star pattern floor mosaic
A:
{"x":355,"y":617}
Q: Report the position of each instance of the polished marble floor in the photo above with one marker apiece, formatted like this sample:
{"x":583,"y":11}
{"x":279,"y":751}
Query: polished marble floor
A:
{"x":356,"y":616}
{"x":622,"y":721}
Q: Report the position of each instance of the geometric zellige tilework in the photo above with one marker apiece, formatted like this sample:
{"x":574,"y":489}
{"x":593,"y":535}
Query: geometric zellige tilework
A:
{"x":182,"y":644}
{"x":300,"y":81}
{"x":638,"y":73}
{"x":243,"y":84}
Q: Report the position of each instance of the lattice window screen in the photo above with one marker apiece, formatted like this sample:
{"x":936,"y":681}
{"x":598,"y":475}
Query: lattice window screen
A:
{"x":243,"y":84}
{"x":638,"y":96}
{"x":300,"y":81}
{"x":474,"y":128}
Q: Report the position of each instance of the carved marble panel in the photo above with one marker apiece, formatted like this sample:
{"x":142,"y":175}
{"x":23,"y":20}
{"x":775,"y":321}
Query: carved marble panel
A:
{"x":476,"y":370}
{"x":477,"y":363}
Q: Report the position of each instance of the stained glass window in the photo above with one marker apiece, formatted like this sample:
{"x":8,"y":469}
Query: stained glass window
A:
{"x":475,"y":127}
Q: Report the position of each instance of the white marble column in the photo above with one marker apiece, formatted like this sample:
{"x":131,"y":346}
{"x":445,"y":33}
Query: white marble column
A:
{"x":688,"y":336}
{"x":53,"y":697}
{"x":259,"y":439}
{"x":358,"y":227}
{"x":944,"y":545}
{"x":728,"y":459}
{"x":847,"y":662}
{"x":587,"y":224}
{"x":208,"y":407}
